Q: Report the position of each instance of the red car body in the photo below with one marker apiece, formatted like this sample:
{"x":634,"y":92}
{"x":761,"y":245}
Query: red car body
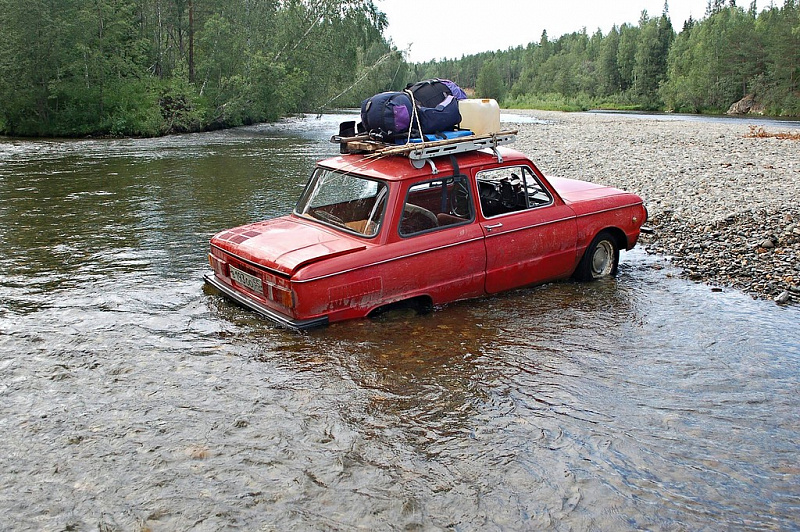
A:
{"x":370,"y":233}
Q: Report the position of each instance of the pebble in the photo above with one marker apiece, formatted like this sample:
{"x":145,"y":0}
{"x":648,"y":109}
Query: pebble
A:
{"x":723,"y":206}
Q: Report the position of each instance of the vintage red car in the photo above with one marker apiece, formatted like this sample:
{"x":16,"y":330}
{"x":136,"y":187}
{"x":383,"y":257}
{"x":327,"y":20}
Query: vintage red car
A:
{"x":370,"y":233}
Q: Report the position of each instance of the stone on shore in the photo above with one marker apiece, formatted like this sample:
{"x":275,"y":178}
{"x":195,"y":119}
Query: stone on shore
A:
{"x":723,"y":205}
{"x":747,"y":105}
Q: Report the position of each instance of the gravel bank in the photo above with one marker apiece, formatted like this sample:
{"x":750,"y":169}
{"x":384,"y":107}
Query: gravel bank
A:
{"x":725,"y":207}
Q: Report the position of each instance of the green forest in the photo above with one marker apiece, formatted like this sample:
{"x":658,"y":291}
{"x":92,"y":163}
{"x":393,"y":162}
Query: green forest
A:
{"x":155,"y":67}
{"x":704,"y":68}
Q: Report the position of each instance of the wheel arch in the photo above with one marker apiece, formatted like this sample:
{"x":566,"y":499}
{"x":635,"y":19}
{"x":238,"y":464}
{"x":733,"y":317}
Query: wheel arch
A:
{"x":619,"y":236}
{"x":421,"y":303}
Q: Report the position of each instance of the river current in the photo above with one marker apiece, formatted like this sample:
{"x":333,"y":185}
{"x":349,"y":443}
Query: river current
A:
{"x":134,"y":398}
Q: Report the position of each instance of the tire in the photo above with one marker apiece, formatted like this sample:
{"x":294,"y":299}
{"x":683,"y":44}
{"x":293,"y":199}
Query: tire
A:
{"x":600,"y":259}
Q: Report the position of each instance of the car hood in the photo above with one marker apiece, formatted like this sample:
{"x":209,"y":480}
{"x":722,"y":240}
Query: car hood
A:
{"x":285,"y":244}
{"x":588,"y":198}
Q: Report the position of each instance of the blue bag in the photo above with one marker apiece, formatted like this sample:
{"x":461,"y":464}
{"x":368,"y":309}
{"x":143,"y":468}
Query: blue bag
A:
{"x":387,"y":114}
{"x":443,"y":117}
{"x":442,"y":135}
{"x":437,"y":104}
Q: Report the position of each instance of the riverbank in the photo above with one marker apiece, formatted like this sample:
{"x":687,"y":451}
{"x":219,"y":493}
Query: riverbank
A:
{"x":724,"y":205}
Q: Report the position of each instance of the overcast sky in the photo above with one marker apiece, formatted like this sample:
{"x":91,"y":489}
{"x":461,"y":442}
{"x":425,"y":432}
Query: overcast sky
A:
{"x":438,"y":29}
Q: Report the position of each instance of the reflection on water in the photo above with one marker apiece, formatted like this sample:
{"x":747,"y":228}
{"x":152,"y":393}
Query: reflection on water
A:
{"x":135,"y":399}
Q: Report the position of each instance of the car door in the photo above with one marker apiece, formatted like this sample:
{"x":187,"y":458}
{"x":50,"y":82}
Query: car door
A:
{"x":530,"y":234}
{"x":437,"y":248}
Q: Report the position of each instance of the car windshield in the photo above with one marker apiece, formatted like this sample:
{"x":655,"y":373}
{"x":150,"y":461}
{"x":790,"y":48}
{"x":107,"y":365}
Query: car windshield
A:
{"x":343,"y":200}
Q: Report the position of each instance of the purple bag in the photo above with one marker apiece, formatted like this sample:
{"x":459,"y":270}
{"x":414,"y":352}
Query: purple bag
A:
{"x":455,"y":90}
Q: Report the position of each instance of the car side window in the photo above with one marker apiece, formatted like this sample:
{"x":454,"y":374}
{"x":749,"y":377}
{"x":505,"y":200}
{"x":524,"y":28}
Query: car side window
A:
{"x":510,"y":189}
{"x":436,"y":204}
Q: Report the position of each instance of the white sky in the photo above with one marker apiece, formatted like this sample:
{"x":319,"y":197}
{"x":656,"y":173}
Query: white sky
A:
{"x":448,"y":29}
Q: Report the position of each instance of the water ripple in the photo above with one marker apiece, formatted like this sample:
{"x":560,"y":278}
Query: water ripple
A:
{"x":133,"y":398}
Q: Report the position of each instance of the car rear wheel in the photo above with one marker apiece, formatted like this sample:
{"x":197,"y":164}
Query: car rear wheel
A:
{"x":600,"y":259}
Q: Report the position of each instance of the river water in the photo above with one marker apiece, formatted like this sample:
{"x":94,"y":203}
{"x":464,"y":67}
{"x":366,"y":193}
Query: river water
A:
{"x":133,"y":398}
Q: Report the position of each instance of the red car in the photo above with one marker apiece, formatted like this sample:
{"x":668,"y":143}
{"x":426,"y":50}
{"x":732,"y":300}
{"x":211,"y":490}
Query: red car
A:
{"x":373,"y":232}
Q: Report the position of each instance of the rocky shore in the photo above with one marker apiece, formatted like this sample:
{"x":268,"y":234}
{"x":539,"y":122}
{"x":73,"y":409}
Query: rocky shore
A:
{"x":725,"y":207}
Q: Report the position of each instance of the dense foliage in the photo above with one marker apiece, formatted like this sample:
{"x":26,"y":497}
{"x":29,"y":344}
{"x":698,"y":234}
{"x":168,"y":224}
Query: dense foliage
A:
{"x":706,"y":67}
{"x":149,"y":67}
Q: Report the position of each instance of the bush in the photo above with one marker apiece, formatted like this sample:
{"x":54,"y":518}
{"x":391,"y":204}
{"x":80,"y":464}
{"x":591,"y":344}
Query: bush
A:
{"x":180,"y":109}
{"x":133,"y":110}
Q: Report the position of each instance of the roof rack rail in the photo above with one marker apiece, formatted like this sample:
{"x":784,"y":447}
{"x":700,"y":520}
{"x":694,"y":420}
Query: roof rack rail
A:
{"x":428,"y":150}
{"x":424,"y":151}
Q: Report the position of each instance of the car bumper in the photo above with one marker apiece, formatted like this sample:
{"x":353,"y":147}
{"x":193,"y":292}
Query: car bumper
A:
{"x":285,"y":321}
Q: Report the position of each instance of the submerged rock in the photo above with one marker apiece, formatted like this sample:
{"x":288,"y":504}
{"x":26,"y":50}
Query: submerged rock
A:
{"x":783,"y":297}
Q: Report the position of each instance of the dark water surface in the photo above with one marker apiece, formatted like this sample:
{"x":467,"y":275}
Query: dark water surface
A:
{"x":131,"y":398}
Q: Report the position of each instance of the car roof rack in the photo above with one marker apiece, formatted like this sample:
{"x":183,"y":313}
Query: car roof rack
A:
{"x":421,"y":153}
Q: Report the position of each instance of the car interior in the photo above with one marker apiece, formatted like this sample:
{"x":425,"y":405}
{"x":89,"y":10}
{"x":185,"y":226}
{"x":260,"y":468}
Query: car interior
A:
{"x":510,"y":189}
{"x":436,"y":203}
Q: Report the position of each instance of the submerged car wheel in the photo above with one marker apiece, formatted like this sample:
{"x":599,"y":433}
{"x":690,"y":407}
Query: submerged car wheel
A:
{"x":418,"y":305}
{"x":600,"y":259}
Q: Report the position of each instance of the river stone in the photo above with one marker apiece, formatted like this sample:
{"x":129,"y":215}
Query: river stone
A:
{"x":783,"y":297}
{"x":693,"y":180}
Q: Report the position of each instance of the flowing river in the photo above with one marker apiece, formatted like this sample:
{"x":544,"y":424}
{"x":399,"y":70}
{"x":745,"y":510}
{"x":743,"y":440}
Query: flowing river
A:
{"x":133,"y":398}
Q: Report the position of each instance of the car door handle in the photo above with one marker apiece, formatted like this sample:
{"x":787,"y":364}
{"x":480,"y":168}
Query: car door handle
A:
{"x":493,"y":226}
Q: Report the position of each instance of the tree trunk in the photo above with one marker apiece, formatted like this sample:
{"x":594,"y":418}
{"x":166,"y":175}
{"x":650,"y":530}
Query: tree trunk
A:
{"x":191,"y":41}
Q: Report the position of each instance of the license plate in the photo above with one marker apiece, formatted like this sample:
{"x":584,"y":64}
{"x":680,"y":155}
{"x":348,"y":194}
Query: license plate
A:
{"x":250,"y":282}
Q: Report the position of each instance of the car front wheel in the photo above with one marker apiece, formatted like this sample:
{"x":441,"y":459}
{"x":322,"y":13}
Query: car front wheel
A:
{"x":600,"y":259}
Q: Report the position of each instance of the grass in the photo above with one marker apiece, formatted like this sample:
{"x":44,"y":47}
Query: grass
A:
{"x":579,"y":102}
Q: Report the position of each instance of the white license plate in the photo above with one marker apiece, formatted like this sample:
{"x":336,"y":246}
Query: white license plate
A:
{"x":250,"y":282}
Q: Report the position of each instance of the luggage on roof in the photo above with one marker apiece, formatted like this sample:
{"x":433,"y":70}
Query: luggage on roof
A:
{"x":387,"y":114}
{"x":432,"y":92}
{"x":425,"y":115}
{"x":436,"y":101}
{"x":425,"y":107}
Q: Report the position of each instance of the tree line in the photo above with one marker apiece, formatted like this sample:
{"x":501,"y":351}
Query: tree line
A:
{"x":707,"y":66}
{"x":153,"y":67}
